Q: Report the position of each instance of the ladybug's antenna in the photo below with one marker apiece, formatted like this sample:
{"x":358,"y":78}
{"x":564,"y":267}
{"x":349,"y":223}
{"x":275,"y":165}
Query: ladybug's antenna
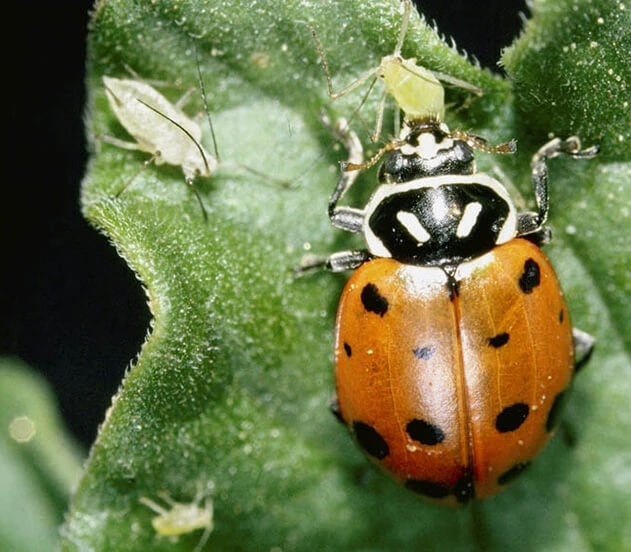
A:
{"x":481,"y":144}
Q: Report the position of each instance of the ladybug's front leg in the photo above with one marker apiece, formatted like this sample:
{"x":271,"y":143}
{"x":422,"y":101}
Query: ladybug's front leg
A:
{"x":346,"y":218}
{"x":532,"y":224}
{"x":353,"y":146}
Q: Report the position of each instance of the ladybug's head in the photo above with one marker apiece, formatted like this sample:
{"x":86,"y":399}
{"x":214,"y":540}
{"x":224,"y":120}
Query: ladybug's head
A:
{"x":428,"y":148}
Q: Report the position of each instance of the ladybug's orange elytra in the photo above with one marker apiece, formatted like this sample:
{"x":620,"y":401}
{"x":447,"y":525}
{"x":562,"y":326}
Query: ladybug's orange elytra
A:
{"x":454,"y":394}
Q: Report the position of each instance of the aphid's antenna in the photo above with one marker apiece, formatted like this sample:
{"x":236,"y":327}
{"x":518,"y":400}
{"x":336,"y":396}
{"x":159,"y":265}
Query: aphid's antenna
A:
{"x":178,"y":125}
{"x":202,"y":89}
{"x":405,"y":20}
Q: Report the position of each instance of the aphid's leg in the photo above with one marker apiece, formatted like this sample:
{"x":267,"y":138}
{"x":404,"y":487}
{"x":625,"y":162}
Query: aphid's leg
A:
{"x":185,"y":98}
{"x":153,"y":506}
{"x":379,"y":120}
{"x":191,"y":183}
{"x":530,"y":223}
{"x":327,"y":72}
{"x":260,"y":174}
{"x":132,"y":146}
{"x":583,"y":348}
{"x":208,"y":506}
{"x":124,"y":144}
{"x":133,"y":176}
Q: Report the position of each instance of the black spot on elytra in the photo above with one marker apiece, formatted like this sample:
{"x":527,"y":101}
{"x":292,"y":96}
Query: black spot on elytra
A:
{"x":555,"y":411}
{"x":424,"y":353}
{"x":531,"y":276}
{"x":464,"y":491}
{"x":370,"y":440}
{"x":512,"y":473}
{"x":373,"y":301}
{"x":561,"y":316}
{"x":424,"y":432}
{"x":511,"y":417}
{"x":348,"y":350}
{"x":427,"y":488}
{"x":498,"y":340}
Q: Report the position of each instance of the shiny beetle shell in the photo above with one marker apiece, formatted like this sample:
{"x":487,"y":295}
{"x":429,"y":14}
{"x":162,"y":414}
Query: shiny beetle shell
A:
{"x":454,"y":393}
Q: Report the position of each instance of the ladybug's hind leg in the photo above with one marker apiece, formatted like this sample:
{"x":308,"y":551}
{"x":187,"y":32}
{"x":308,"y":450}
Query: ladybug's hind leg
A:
{"x":583,"y":348}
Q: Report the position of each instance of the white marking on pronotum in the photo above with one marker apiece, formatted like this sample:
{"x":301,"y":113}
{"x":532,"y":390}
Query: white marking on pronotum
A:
{"x":414,"y":227}
{"x":469,"y":219}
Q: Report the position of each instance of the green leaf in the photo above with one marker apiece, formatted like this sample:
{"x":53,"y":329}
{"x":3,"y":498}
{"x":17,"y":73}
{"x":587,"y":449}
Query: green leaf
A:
{"x":571,"y":73}
{"x":39,"y":461}
{"x":229,"y":395}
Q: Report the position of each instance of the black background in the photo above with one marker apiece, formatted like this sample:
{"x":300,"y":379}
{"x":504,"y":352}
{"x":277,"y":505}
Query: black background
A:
{"x":69,"y":306}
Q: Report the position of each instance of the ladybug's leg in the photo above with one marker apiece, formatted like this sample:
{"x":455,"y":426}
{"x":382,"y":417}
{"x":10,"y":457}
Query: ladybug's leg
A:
{"x":533,"y":223}
{"x":350,"y":219}
{"x":345,"y":218}
{"x":583,"y":348}
{"x":336,"y":262}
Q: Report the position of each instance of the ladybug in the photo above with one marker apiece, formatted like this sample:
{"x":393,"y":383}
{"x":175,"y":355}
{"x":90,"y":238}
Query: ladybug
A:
{"x":454,"y":349}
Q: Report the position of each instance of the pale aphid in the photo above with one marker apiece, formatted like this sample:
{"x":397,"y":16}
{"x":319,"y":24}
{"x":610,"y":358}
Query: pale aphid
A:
{"x":179,"y":518}
{"x":417,"y":91}
{"x":160,"y":128}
